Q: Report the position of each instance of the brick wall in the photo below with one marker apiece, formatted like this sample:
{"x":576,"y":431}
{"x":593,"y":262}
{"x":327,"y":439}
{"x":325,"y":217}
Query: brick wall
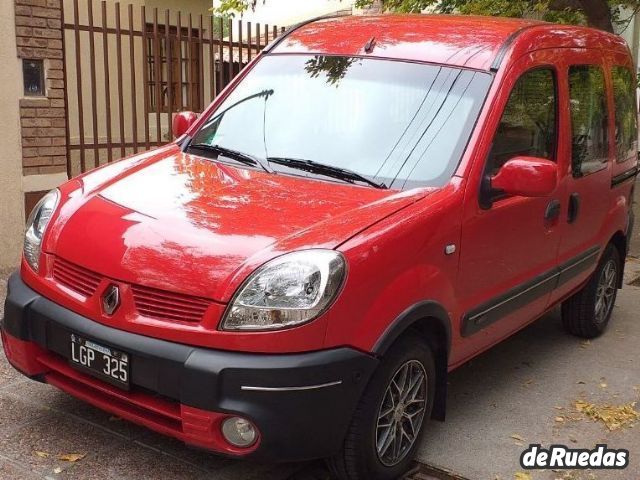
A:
{"x":43,"y":119}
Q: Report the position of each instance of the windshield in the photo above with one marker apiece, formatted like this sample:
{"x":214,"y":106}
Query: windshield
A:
{"x":399,"y":124}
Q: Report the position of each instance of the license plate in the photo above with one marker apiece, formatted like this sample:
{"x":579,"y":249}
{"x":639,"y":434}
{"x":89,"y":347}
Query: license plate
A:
{"x":102,"y":362}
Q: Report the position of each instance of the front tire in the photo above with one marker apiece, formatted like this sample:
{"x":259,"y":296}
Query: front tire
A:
{"x":387,"y":425}
{"x":587,"y":313}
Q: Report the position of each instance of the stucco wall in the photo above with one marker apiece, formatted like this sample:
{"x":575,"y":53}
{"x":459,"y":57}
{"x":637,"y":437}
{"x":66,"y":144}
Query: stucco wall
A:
{"x":195,"y":7}
{"x":11,"y":200}
{"x":630,"y":31}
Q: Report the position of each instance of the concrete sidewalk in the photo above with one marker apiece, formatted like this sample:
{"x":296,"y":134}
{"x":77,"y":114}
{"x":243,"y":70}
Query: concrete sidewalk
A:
{"x":524,"y":391}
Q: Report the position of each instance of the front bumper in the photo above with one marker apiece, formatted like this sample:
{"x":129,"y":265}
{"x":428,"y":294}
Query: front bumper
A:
{"x":302,"y":404}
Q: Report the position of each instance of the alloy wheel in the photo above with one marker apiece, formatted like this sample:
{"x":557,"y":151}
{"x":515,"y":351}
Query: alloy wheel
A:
{"x":606,"y":291}
{"x":401,"y":414}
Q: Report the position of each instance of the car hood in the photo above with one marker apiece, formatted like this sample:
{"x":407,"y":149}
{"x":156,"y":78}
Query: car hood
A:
{"x":177,"y":222}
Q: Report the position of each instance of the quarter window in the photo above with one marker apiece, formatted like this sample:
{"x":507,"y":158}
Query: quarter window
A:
{"x":589,"y":121}
{"x":528,"y":124}
{"x":624,"y":92}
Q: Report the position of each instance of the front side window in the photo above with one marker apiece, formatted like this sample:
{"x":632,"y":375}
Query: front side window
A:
{"x":399,"y":124}
{"x":528,"y":123}
{"x":624,"y":93}
{"x":589,"y":119}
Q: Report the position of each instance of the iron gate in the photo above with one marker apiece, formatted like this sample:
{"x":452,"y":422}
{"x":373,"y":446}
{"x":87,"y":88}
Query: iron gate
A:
{"x":128,"y":69}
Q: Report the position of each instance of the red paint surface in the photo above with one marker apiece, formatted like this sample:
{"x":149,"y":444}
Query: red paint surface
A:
{"x":182,"y":122}
{"x":190,"y":226}
{"x":452,"y":40}
{"x":527,"y":177}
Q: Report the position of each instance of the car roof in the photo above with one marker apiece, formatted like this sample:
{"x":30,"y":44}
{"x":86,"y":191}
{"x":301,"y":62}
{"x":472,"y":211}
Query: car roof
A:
{"x":459,"y":40}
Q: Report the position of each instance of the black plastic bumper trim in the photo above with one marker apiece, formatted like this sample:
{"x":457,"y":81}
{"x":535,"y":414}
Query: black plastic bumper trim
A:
{"x":213,"y":379}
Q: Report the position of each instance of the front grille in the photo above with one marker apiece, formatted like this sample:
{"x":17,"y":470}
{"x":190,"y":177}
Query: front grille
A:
{"x":75,"y":278}
{"x":149,"y":302}
{"x":168,"y":306}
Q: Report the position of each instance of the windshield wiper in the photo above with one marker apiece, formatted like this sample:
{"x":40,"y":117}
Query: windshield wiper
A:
{"x":244,"y":158}
{"x":326,"y":170}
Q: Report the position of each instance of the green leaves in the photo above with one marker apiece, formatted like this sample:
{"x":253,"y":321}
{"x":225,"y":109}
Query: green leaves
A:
{"x":233,"y":7}
{"x":560,"y":11}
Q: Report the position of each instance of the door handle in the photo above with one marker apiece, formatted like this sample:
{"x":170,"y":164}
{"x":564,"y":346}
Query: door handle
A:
{"x":574,"y":207}
{"x":553,"y":210}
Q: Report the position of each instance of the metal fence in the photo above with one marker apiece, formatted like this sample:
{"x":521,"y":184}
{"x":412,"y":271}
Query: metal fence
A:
{"x":128,"y":69}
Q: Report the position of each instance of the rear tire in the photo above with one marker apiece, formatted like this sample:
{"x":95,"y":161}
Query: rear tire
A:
{"x":386,"y":428}
{"x":587,"y":313}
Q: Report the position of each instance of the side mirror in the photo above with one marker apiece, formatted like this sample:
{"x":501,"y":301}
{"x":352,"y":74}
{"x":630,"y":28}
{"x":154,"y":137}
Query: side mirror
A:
{"x":526,"y":177}
{"x":182,"y":122}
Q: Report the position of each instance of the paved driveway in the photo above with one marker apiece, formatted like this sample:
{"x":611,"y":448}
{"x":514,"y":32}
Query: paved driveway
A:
{"x":509,"y":397}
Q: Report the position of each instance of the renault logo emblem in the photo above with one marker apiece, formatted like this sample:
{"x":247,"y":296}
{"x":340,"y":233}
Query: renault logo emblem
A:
{"x":111,"y":299}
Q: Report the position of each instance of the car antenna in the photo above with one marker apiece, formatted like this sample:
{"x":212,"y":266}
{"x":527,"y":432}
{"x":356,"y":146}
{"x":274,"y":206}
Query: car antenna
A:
{"x":371,"y":44}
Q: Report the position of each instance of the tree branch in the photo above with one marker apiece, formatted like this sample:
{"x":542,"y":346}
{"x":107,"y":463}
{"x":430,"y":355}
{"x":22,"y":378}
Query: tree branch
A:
{"x":597,"y":12}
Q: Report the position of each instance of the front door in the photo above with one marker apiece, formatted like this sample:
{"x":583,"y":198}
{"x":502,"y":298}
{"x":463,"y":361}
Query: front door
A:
{"x":509,"y":247}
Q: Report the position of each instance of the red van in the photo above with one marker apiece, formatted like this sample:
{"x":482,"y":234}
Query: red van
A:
{"x":374,"y":202}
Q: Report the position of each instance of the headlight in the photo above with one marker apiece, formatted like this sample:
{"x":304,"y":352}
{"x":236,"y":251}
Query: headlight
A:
{"x":37,"y":225}
{"x":287,"y":291}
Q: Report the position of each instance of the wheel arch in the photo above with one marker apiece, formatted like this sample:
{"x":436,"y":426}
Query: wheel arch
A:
{"x":430,"y":321}
{"x":621,"y":243}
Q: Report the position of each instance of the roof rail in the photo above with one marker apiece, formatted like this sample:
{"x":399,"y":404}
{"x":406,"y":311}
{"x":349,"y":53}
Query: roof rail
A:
{"x":504,"y":48}
{"x":297,"y":26}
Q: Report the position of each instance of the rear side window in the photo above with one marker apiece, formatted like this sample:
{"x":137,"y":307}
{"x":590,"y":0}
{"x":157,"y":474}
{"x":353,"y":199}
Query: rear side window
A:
{"x":528,"y":124}
{"x":624,"y":92}
{"x":589,"y":121}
